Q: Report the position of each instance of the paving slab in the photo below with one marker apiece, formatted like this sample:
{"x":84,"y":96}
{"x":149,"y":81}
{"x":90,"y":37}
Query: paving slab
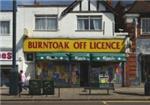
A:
{"x":123,"y":93}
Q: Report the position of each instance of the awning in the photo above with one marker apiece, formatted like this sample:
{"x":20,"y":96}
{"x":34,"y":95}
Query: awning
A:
{"x":52,"y":56}
{"x":80,"y":56}
{"x":108,"y":57}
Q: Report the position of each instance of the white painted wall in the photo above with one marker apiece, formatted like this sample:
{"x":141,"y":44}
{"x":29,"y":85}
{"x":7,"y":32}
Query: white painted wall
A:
{"x":93,"y":5}
{"x":6,"y":40}
{"x":84,"y":5}
{"x":67,"y":25}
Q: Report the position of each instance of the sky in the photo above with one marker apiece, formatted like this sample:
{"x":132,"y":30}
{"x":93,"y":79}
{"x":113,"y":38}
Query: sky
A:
{"x":7,"y":4}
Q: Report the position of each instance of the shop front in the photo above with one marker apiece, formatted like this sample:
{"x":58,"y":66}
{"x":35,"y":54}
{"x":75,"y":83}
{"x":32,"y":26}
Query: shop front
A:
{"x":77,"y":62}
{"x":143,"y":59}
{"x":5,"y":66}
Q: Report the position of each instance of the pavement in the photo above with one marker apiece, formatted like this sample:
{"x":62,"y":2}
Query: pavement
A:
{"x":68,"y":94}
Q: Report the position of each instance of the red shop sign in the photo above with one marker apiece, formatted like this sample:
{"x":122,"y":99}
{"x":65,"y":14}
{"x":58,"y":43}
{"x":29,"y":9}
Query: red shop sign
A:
{"x":5,"y":55}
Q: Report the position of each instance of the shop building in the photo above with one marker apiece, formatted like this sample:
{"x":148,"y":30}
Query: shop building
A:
{"x":71,"y":44}
{"x":5,"y":46}
{"x":138,"y":27}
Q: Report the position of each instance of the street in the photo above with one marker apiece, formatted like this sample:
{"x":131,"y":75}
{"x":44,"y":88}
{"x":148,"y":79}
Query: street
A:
{"x":75,"y":102}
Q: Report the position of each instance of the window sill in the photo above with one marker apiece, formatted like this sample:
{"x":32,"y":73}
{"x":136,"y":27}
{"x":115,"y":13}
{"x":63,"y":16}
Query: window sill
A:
{"x":89,"y":30}
{"x":45,"y":30}
{"x":145,"y":34}
{"x":4,"y":34}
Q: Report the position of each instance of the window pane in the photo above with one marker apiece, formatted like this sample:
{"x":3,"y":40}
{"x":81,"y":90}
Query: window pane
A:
{"x":51,"y":24}
{"x":146,"y":25}
{"x":80,"y":25}
{"x":95,"y":24}
{"x":4,"y":27}
{"x":86,"y":23}
{"x":83,"y":24}
{"x":89,"y":23}
{"x":46,"y":23}
{"x":143,"y":25}
{"x":40,"y":24}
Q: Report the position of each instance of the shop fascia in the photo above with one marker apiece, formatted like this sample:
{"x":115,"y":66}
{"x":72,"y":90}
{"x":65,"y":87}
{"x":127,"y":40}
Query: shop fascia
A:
{"x":76,"y":49}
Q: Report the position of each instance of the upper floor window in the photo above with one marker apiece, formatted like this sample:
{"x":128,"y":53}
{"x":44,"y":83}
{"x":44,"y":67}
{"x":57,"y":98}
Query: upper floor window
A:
{"x":4,"y":27}
{"x":89,"y":23}
{"x":145,"y":25}
{"x":45,"y":23}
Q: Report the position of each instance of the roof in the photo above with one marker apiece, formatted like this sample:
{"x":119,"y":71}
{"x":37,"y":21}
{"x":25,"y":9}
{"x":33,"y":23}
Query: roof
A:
{"x":73,"y":5}
{"x":70,"y":7}
{"x":57,"y":3}
{"x":140,"y":7}
{"x":6,"y":10}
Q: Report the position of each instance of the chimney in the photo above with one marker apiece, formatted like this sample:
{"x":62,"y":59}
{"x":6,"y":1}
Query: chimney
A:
{"x":109,"y":2}
{"x":36,"y":2}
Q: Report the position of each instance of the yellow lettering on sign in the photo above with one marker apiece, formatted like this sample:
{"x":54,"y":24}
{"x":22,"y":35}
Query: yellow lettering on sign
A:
{"x":73,"y":45}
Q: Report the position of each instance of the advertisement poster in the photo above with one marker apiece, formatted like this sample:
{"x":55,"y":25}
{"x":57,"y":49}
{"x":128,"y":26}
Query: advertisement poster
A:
{"x":52,"y":71}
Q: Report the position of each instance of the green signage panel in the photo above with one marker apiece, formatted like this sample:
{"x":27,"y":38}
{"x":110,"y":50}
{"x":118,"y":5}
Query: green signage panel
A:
{"x":108,"y":57}
{"x":80,"y":56}
{"x":52,"y":56}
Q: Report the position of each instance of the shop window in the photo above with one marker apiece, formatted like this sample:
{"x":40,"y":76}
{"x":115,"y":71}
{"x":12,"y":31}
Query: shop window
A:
{"x":46,"y":23}
{"x":4,"y":27}
{"x":29,"y":56}
{"x":89,"y":23}
{"x":145,"y":22}
{"x":62,"y":74}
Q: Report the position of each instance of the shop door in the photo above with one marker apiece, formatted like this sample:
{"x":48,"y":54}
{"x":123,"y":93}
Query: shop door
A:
{"x":84,"y":68}
{"x":5,"y":75}
{"x":145,"y":68}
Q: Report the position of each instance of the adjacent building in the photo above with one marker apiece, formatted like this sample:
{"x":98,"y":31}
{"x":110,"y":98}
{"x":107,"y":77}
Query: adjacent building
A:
{"x":5,"y":46}
{"x":138,"y":27}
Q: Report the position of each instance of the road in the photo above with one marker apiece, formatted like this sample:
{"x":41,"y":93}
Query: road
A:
{"x":75,"y":103}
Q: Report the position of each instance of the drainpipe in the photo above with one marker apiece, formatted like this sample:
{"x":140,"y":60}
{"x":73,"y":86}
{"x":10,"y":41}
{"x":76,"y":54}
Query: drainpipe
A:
{"x":136,"y":23}
{"x":137,"y":61}
{"x":104,"y":28}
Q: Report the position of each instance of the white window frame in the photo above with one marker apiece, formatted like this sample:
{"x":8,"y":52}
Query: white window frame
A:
{"x":47,"y":17}
{"x":89,"y":18}
{"x":145,"y":33}
{"x":5,"y":34}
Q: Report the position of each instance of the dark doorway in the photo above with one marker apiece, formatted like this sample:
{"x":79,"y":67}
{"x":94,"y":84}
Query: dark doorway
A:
{"x":5,"y":75}
{"x":145,"y":68}
{"x":84,"y":68}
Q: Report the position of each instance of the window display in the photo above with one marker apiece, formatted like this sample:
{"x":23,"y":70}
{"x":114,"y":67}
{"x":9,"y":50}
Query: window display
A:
{"x":75,"y":74}
{"x":105,"y":73}
{"x":63,"y":73}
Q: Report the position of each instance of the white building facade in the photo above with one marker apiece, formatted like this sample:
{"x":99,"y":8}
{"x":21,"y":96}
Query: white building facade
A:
{"x":70,"y":44}
{"x":5,"y":45}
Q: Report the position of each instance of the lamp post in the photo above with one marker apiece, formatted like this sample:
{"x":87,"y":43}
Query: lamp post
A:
{"x":13,"y":90}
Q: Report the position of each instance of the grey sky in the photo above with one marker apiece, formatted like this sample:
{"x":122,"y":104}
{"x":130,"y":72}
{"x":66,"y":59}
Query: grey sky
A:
{"x":7,"y":4}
